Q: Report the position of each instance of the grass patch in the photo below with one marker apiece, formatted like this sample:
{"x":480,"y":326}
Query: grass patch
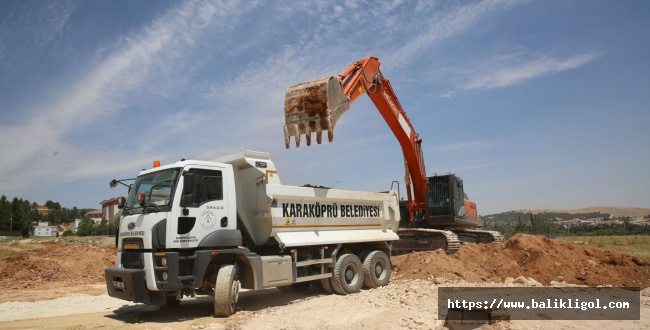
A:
{"x":12,"y":246}
{"x":11,"y":249}
{"x":635,"y":245}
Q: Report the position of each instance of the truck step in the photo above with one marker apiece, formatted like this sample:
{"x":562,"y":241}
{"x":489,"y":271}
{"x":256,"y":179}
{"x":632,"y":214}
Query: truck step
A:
{"x":313,"y":277}
{"x":314,"y":262}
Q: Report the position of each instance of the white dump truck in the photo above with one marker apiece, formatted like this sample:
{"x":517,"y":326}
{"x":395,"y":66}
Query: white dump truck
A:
{"x":213,"y":227}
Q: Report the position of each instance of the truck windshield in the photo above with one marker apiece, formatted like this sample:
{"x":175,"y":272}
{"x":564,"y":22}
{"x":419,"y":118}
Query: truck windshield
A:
{"x":157,"y":187}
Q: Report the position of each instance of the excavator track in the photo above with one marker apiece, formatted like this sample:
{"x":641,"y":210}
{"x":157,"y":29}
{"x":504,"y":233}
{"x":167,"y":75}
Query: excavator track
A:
{"x":421,"y":239}
{"x":479,"y":236}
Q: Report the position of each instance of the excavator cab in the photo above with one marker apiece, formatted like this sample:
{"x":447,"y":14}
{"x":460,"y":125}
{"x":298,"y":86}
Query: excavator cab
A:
{"x":447,"y":204}
{"x":313,"y":106}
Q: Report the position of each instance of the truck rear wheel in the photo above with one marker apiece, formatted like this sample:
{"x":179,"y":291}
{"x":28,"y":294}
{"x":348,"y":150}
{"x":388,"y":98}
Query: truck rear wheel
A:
{"x":226,"y":291}
{"x":326,"y":283}
{"x":348,"y":275}
{"x":376,"y":269}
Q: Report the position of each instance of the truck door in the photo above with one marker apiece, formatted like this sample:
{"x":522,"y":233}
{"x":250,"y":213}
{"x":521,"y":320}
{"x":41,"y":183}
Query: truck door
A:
{"x":205,"y":210}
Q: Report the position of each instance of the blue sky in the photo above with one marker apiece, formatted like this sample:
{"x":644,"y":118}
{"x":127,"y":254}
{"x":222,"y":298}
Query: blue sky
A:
{"x":535,"y":104}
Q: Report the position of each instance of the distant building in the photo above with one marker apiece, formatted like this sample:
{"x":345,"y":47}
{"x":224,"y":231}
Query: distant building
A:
{"x":42,"y":210}
{"x":640,"y":222}
{"x":95,"y":216}
{"x":77,"y":222}
{"x":109,"y":209}
{"x":43,"y":229}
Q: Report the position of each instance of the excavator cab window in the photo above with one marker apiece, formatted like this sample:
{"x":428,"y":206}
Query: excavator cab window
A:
{"x":440,"y":195}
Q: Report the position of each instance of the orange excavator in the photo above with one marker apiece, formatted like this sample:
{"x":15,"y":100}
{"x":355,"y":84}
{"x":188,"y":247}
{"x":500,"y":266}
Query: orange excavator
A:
{"x":437,"y":213}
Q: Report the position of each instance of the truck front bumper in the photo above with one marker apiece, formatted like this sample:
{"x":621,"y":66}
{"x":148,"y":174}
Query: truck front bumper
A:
{"x":127,"y":284}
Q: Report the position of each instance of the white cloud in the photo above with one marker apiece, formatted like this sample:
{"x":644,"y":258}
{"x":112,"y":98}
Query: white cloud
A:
{"x":445,"y":25}
{"x":517,"y":70}
{"x":102,"y":93}
{"x":32,"y":28}
{"x":462,"y":146}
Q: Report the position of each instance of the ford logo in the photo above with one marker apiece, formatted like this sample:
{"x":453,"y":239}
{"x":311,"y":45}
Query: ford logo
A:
{"x":131,"y":225}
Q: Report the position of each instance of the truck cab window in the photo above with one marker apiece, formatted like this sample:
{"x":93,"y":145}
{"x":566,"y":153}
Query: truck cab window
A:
{"x":208,"y":186}
{"x":158,"y":188}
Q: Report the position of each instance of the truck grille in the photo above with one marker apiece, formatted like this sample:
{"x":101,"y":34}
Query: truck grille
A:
{"x":132,"y":260}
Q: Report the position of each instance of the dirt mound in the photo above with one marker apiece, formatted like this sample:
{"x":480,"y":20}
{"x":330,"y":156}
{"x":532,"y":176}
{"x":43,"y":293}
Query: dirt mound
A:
{"x":65,"y":265}
{"x":539,"y":258}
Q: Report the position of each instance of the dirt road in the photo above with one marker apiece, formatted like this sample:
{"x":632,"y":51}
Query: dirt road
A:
{"x":403,"y":304}
{"x":73,"y":296}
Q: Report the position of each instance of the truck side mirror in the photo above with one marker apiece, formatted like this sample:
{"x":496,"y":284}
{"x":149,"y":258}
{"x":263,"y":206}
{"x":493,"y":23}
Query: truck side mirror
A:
{"x":188,"y":189}
{"x":121,"y":202}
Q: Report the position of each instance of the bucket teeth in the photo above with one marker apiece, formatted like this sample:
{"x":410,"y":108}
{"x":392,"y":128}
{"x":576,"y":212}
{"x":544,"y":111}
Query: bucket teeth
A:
{"x":313,"y":106}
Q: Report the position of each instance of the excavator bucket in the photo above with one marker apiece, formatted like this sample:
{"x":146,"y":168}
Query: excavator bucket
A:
{"x":313,"y":106}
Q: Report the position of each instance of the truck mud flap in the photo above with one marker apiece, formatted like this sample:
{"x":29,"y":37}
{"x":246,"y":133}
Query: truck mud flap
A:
{"x":127,"y":284}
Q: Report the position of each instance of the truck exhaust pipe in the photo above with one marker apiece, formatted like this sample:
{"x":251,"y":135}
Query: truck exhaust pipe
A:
{"x":313,"y":106}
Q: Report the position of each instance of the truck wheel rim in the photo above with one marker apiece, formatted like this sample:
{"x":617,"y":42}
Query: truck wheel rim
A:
{"x":351,"y":274}
{"x":235,"y":293}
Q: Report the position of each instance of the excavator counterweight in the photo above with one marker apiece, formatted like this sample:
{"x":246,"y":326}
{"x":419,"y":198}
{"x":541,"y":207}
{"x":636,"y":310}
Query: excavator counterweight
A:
{"x":313,"y":107}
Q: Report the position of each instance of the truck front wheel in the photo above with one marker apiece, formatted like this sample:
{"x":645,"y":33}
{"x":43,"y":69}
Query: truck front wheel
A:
{"x":226,"y":291}
{"x":348,"y":275}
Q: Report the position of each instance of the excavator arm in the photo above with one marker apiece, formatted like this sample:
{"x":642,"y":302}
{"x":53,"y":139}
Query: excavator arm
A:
{"x":316,"y":106}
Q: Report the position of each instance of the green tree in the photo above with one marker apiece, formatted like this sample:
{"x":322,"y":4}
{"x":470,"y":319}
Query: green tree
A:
{"x":86,"y":227}
{"x":52,"y":205}
{"x":23,"y":216}
{"x":75,"y":214}
{"x":5,"y":214}
{"x":115,"y":226}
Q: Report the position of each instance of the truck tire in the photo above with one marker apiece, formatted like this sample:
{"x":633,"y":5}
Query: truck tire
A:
{"x":326,"y":283}
{"x":226,"y":291}
{"x":376,"y":269}
{"x":348,"y":275}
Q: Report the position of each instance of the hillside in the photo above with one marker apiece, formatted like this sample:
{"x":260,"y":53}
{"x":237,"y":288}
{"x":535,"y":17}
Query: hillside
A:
{"x":514,"y":217}
{"x":632,"y":212}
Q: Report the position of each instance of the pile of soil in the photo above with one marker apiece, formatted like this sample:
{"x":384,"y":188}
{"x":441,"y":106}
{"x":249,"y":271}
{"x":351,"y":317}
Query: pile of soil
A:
{"x":67,"y":265}
{"x":534,"y":257}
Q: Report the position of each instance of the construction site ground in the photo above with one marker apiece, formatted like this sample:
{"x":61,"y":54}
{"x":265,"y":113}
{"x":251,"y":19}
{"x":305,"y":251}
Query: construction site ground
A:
{"x":60,"y":284}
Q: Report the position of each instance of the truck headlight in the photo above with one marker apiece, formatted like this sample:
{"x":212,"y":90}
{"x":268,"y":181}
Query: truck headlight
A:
{"x":164,"y":276}
{"x":163,"y":261}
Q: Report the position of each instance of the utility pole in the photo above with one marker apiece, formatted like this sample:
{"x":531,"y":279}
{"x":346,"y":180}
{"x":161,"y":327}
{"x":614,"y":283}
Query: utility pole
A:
{"x":11,"y":223}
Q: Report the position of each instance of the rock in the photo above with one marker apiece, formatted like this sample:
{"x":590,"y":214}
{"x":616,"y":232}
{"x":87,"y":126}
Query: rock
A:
{"x":403,"y":300}
{"x":509,"y":280}
{"x":520,"y":280}
{"x":533,"y":282}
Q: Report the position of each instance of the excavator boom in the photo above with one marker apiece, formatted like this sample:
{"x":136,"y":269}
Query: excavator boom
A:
{"x":316,"y":106}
